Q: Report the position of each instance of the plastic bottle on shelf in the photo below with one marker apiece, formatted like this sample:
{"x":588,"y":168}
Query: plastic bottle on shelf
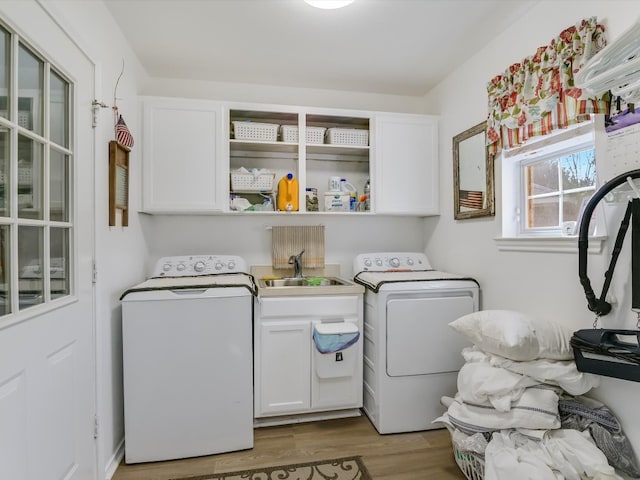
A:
{"x":346,"y":187}
{"x":367,"y":195}
{"x":288,"y":193}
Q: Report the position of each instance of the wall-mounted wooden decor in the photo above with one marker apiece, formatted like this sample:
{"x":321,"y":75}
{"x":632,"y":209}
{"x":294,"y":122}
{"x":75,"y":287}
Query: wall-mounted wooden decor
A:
{"x":118,"y":182}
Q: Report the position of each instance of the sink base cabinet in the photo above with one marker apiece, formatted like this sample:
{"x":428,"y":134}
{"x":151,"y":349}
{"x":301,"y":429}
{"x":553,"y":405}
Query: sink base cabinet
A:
{"x":291,"y":377}
{"x":284,"y":380}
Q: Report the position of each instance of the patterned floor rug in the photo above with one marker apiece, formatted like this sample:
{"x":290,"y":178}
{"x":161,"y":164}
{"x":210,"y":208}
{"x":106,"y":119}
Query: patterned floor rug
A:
{"x":349,"y":468}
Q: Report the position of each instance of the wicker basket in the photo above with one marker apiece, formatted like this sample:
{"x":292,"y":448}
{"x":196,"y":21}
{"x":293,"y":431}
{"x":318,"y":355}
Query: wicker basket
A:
{"x":314,"y":134}
{"x":348,"y":136}
{"x":247,"y":182}
{"x":258,"y":132}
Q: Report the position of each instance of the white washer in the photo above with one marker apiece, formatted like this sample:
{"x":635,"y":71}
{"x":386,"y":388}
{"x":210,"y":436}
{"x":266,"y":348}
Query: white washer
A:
{"x":187,"y":359}
{"x":411,"y":355}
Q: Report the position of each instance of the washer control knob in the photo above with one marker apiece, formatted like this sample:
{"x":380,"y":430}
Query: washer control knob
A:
{"x":231,"y":265}
{"x":166,"y":267}
{"x":394,"y":262}
{"x":409,"y":261}
{"x":379,"y":262}
{"x":367,"y":263}
{"x":181,"y":267}
{"x":199,"y":266}
{"x":219,"y":265}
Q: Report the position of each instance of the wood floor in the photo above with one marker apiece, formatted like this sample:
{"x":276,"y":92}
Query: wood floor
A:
{"x":407,"y":456}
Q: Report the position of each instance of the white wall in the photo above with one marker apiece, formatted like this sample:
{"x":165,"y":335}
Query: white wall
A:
{"x":237,"y":92}
{"x":250,"y":237}
{"x":544,"y":284}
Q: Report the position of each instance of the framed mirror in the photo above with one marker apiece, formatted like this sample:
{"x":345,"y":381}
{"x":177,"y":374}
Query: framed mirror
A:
{"x":473,"y":194}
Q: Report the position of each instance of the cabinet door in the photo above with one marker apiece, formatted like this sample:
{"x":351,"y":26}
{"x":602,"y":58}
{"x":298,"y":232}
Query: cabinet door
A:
{"x":406,"y":165}
{"x":283,"y":385}
{"x":180,"y":155}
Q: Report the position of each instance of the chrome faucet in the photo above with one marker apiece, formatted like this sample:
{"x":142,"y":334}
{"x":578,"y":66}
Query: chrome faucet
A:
{"x":296,"y":261}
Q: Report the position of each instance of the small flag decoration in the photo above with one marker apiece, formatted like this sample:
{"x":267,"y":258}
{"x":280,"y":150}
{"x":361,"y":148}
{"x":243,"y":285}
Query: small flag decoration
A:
{"x":471,"y":199}
{"x":123,"y":135}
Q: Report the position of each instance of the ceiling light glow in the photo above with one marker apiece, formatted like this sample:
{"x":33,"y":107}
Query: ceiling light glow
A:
{"x":328,"y":4}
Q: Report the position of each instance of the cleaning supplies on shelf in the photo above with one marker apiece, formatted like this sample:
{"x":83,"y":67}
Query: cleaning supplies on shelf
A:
{"x":334,"y":184}
{"x":367,"y":196}
{"x":311,"y":195}
{"x":288,"y":193}
{"x":346,"y":187}
{"x":336,"y":201}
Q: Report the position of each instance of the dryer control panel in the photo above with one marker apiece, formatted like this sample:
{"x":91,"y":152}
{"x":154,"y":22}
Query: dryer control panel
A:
{"x":391,"y":262}
{"x":197,"y":265}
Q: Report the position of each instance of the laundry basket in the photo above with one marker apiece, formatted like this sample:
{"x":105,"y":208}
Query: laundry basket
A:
{"x":470,"y":463}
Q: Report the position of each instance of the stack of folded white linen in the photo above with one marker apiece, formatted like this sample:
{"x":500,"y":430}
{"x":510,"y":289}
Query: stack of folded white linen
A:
{"x":520,"y":389}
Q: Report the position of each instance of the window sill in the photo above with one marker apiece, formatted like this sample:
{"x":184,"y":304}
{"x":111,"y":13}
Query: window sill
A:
{"x":568,"y":244}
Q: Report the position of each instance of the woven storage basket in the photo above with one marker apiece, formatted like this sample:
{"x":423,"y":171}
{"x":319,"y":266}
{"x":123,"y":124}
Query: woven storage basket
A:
{"x":247,"y":182}
{"x":260,"y":132}
{"x":314,"y":134}
{"x":348,"y":136}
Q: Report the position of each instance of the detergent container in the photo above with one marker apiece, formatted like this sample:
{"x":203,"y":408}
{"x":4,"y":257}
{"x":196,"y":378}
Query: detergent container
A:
{"x":346,"y":187}
{"x":288,"y":193}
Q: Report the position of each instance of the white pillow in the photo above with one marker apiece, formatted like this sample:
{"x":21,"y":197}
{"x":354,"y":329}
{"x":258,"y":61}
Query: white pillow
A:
{"x":515,"y":335}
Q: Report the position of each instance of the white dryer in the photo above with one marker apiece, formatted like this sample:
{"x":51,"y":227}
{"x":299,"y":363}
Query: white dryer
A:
{"x":411,"y":355}
{"x":187,"y":359}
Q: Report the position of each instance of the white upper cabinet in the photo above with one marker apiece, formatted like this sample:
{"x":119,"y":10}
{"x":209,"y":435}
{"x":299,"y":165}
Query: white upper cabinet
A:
{"x":208,"y":157}
{"x":406,"y":165}
{"x":181,"y":156}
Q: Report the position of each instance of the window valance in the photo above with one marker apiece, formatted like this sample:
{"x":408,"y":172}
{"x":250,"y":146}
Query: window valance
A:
{"x":538,"y":95}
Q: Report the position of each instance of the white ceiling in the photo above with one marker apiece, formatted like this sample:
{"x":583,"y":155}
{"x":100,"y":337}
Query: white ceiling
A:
{"x":402,"y":47}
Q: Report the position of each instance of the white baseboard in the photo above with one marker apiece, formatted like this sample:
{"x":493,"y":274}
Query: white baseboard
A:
{"x":114,"y":461}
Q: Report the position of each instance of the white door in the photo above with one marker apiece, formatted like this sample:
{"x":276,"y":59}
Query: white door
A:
{"x":47,"y":399}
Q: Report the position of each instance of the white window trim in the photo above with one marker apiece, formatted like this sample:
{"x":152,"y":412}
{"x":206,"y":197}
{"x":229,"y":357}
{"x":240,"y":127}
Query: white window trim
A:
{"x":512,"y":238}
{"x":567,"y":244}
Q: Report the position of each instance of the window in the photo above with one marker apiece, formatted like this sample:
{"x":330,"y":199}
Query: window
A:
{"x":35,"y":173}
{"x":555,"y":187}
{"x":546,"y":183}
